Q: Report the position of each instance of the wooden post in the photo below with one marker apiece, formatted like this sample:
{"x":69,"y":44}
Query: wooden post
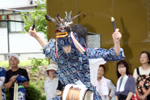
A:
{"x":16,"y":91}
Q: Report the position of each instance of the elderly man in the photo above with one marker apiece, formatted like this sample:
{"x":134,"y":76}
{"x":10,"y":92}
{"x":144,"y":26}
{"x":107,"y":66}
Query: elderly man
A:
{"x":16,"y":74}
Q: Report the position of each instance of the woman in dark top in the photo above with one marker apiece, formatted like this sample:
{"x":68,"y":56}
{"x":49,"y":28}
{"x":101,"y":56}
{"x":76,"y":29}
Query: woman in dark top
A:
{"x":126,"y":83}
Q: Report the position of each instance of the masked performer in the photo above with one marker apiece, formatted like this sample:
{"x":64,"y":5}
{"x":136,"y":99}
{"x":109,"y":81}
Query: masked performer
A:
{"x":71,"y":53}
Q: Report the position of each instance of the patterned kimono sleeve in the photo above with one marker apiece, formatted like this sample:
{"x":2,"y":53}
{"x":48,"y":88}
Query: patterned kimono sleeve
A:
{"x":50,"y":50}
{"x":107,"y":55}
{"x":2,"y":76}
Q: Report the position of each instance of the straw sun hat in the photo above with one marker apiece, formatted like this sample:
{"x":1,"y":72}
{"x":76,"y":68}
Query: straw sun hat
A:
{"x":51,"y":66}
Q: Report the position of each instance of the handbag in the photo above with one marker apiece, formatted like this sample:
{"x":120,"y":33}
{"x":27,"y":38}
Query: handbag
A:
{"x":135,"y":97}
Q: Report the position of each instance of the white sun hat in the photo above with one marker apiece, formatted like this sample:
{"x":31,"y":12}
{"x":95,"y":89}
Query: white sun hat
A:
{"x":13,"y":55}
{"x":52,"y":66}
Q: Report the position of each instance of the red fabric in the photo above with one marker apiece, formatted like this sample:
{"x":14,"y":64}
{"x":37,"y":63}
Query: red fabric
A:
{"x":135,"y":97}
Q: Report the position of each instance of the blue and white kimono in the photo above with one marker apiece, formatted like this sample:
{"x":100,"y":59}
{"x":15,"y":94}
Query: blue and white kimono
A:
{"x":75,"y":66}
{"x":2,"y":77}
{"x":21,"y":89}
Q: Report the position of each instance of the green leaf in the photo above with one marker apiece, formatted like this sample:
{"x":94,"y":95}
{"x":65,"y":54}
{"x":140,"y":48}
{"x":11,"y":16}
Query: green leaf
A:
{"x":41,"y":23}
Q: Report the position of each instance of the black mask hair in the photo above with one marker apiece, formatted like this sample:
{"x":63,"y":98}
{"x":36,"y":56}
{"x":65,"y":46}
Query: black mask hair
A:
{"x":68,"y":29}
{"x":80,"y":30}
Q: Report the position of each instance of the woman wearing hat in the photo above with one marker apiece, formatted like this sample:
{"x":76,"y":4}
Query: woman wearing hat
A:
{"x":51,"y":84}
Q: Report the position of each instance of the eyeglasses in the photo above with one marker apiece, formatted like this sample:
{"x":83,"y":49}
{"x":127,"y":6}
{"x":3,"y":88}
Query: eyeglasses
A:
{"x":143,"y":56}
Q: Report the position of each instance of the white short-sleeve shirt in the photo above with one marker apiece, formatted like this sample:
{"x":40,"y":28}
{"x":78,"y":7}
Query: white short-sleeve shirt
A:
{"x":141,"y":71}
{"x":50,"y":88}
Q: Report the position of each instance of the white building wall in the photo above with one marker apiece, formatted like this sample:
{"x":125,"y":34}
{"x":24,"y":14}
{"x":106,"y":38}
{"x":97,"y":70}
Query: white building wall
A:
{"x":15,"y":3}
{"x":22,"y":44}
{"x":3,"y":40}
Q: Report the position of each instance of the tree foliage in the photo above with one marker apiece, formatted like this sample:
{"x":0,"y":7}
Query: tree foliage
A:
{"x":38,"y":62}
{"x":39,"y":13}
{"x":34,"y":92}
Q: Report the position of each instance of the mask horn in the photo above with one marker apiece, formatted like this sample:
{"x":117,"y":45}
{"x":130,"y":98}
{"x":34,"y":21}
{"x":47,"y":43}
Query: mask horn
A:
{"x":49,"y":18}
{"x":78,"y":16}
{"x":70,"y":16}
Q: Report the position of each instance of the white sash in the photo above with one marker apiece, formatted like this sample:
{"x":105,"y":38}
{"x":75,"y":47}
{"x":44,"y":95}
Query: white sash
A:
{"x":94,"y":65}
{"x":104,"y":90}
{"x":122,"y":83}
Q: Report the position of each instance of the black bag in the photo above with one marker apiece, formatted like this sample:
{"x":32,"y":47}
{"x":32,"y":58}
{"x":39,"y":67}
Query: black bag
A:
{"x":122,"y":97}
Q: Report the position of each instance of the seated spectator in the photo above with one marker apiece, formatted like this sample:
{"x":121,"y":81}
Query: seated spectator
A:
{"x":2,"y":80}
{"x":16,"y":74}
{"x":104,"y":85}
{"x":51,"y":84}
{"x":126,"y":83}
{"x":142,"y":77}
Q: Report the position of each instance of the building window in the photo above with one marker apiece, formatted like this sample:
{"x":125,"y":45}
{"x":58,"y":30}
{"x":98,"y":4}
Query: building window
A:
{"x":3,"y":17}
{"x":16,"y":26}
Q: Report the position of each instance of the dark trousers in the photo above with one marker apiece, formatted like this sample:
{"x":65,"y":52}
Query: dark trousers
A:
{"x":122,"y":97}
{"x":148,"y":97}
{"x":11,"y":97}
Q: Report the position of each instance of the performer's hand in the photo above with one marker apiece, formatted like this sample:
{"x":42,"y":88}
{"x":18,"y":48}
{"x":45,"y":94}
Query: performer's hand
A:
{"x":33,"y":32}
{"x":116,"y":36}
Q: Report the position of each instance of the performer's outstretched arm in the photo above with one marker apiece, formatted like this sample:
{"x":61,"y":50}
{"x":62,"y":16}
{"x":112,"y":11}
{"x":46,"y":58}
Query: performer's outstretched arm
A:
{"x":49,"y":49}
{"x":33,"y":33}
{"x":113,"y":54}
{"x":116,"y":38}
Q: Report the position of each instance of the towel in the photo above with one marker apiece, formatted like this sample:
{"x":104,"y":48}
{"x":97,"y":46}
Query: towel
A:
{"x":121,"y":89}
